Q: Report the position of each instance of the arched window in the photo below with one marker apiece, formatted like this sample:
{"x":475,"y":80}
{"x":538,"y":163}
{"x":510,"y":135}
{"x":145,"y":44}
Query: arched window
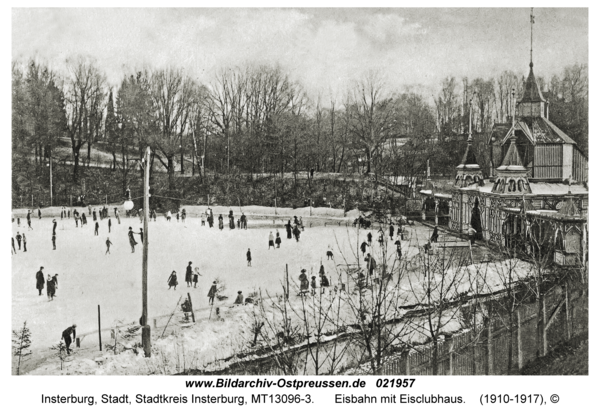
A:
{"x":512,"y":186}
{"x":520,"y":185}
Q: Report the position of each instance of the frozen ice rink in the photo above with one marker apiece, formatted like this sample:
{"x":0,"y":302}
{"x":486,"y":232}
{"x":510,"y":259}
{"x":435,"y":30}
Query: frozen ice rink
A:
{"x":88,"y":278}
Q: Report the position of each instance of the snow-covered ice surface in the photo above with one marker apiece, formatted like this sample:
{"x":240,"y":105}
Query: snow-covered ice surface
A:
{"x":88,"y":278}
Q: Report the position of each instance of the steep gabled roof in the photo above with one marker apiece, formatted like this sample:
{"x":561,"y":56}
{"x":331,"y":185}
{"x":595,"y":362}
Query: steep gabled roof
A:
{"x":531,"y":92}
{"x":512,"y":160}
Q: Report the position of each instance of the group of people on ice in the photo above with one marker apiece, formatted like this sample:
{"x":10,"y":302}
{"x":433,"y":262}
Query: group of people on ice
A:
{"x":311,"y":286}
{"x":51,"y":283}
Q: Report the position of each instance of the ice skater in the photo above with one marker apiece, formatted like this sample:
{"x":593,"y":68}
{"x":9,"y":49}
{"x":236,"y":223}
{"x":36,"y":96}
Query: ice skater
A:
{"x":329,"y":253}
{"x":220,"y":222}
{"x":108,"y":244}
{"x":271,"y":241}
{"x":296,"y":232}
{"x":109,"y":224}
{"x":435,"y":235}
{"x":188,"y":275}
{"x":203,"y":219}
{"x":39,"y":213}
{"x":288,"y":229}
{"x":19,"y":238}
{"x":183,"y":215}
{"x":212,"y":293}
{"x":29,"y":219}
{"x":369,"y":238}
{"x":51,"y":286}
{"x":96,"y":227}
{"x":66,"y":335}
{"x":95,"y":215}
{"x":195,"y":277}
{"x":117,"y":216}
{"x":132,"y":241}
{"x":313,"y":285}
{"x":40,"y":280}
{"x":24,"y":243}
{"x":324,"y":283}
{"x":53,"y":241}
{"x":398,"y":248}
{"x":391,"y":231}
{"x":278,"y":240}
{"x":244,"y":221}
{"x":141,"y":233}
{"x":172,"y":281}
{"x":54,"y":224}
{"x":83,"y":219}
{"x":177,"y":216}
{"x":363,"y":247}
{"x":249,"y":257}
{"x":169,"y":215}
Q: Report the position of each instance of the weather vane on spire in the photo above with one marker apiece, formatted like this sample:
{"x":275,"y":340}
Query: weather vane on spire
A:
{"x":532,"y":19}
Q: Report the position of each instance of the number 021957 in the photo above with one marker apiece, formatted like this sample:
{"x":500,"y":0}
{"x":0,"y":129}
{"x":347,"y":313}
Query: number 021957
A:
{"x":395,"y":382}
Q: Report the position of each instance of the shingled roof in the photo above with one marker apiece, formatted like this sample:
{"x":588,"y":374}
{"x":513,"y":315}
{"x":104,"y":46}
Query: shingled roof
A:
{"x":532,"y":92}
{"x":512,"y":160}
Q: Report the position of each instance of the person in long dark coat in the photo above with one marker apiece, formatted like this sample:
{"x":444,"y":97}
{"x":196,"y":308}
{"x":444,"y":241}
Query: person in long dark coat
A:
{"x":324,"y":283}
{"x":369,"y":238}
{"x":66,"y":335}
{"x":51,"y":286}
{"x":212,"y":293}
{"x":434,"y":235}
{"x":297,"y":233}
{"x":322,"y":270}
{"x":363,"y":247}
{"x":83,"y":219}
{"x":188,"y":274}
{"x":211,"y":217}
{"x":109,"y":224}
{"x":19,"y":238}
{"x":54,"y":241}
{"x":96,"y":227}
{"x":288,"y":229}
{"x":94,"y":215}
{"x":24,"y":243}
{"x":39,"y":213}
{"x":132,"y":241}
{"x":40,"y":281}
{"x":108,"y":244}
{"x":231,"y":222}
{"x":249,"y":257}
{"x":398,"y":248}
{"x":220,"y":222}
{"x":391,"y":232}
{"x":303,"y":281}
{"x":172,"y":281}
{"x":244,"y":221}
{"x":183,"y":215}
{"x":141,"y":233}
{"x":29,"y":219}
{"x":278,"y":240}
{"x":54,"y":226}
{"x":371,"y":264}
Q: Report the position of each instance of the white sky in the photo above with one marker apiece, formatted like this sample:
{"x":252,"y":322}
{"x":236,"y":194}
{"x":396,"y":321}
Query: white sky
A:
{"x":325,"y":49}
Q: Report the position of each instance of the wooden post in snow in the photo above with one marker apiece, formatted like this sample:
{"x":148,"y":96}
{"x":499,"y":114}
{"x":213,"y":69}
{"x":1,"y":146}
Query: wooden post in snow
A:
{"x":99,"y":329}
{"x":287,"y":282}
{"x":192,"y":308}
{"x":544,"y":327}
{"x":568,"y":310}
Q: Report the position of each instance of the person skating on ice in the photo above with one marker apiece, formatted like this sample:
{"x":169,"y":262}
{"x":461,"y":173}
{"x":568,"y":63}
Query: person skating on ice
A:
{"x":249,"y":257}
{"x":132,"y":241}
{"x":141,"y":233}
{"x":195,"y":277}
{"x":94,"y":215}
{"x":288,"y":229}
{"x":54,"y":241}
{"x":188,"y":275}
{"x":172,"y":281}
{"x":24,"y":243}
{"x":391,"y":231}
{"x":271,"y":241}
{"x":51,"y":286}
{"x":109,"y":224}
{"x":369,"y":238}
{"x":19,"y":238}
{"x":54,"y":224}
{"x":220,"y":222}
{"x":278,"y":240}
{"x":329,"y":253}
{"x":40,"y":280}
{"x":212,"y":293}
{"x":108,"y":244}
{"x":96,"y":227}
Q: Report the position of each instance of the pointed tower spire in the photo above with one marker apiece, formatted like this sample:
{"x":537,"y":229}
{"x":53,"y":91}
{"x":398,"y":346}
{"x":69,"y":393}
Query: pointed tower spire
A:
{"x":532,"y":19}
{"x":469,"y":171}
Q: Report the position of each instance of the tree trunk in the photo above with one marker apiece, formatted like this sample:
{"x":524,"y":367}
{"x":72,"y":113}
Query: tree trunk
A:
{"x":171,"y":171}
{"x":76,"y":167}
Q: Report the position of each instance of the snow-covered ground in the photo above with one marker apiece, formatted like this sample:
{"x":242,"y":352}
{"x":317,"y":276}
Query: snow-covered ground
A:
{"x":88,"y":278}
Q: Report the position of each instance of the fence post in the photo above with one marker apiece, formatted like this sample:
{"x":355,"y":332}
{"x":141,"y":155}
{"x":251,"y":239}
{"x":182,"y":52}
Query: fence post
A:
{"x":451,"y":356}
{"x":568,"y":310}
{"x":406,"y":360}
{"x":490,"y":341}
{"x":192,"y":308}
{"x":519,"y":339}
{"x":544,"y":328}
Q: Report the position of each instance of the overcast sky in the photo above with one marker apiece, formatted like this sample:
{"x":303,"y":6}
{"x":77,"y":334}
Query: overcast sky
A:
{"x":325,"y":49}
